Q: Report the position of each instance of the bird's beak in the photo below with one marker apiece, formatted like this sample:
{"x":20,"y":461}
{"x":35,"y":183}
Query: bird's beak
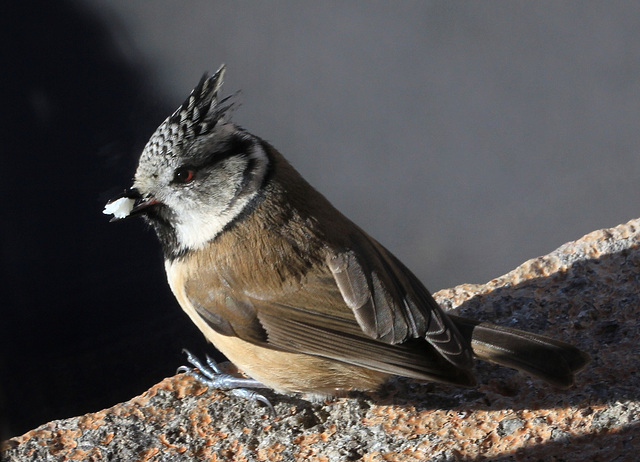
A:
{"x":129,"y":203}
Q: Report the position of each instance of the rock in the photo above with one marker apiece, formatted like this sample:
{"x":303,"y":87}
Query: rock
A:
{"x":586,"y":292}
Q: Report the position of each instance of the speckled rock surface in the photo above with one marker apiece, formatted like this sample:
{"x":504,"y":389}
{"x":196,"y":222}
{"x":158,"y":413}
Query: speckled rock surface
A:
{"x":586,"y":292}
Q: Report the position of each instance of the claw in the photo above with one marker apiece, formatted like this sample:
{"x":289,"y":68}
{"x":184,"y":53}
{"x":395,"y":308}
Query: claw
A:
{"x":213,"y":365}
{"x":183,"y":370}
{"x":253,"y":396}
{"x":212,"y":376}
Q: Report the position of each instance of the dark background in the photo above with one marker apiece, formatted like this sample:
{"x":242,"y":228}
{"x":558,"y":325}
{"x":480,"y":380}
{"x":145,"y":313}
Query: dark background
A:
{"x":467,"y":137}
{"x":87,"y":317}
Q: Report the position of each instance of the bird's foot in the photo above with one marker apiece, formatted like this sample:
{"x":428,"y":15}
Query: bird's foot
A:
{"x":212,"y":376}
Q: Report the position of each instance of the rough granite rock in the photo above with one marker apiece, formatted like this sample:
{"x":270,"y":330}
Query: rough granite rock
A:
{"x":586,"y":292}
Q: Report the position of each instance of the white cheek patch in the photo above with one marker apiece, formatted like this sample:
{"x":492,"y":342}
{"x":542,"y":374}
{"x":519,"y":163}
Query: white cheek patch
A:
{"x":194,"y":232}
{"x":120,"y":208}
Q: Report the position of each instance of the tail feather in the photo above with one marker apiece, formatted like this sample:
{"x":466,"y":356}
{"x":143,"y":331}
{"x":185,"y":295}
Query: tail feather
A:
{"x":551,"y":360}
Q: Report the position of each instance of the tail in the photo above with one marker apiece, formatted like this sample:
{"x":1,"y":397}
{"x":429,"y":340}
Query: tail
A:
{"x":548,"y":359}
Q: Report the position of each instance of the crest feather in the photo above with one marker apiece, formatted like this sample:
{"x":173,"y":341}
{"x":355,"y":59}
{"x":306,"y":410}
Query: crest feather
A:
{"x":198,"y":115}
{"x":201,"y":111}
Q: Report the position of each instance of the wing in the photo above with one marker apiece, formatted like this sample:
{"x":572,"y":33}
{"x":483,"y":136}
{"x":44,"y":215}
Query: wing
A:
{"x":334,"y":333}
{"x":390,"y":303}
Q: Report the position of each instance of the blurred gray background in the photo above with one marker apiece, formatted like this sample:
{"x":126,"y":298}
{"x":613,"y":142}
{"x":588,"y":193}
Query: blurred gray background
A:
{"x":467,"y":137}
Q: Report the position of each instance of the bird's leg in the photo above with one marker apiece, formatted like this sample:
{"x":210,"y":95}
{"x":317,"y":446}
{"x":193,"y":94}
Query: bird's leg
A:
{"x":212,"y":376}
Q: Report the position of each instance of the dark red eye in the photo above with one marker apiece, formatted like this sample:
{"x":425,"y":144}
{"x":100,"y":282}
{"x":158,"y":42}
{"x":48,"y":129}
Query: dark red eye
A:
{"x":183,"y":175}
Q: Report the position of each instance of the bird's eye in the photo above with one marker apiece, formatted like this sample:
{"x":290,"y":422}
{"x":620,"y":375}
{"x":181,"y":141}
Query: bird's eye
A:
{"x":183,"y":175}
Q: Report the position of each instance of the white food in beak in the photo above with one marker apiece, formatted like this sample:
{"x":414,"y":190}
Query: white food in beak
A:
{"x":120,"y":208}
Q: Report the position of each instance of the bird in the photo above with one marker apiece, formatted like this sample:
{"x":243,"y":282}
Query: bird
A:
{"x":294,"y":294}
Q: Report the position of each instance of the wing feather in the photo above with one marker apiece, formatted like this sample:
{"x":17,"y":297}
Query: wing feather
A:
{"x":339,"y":340}
{"x":390,"y":304}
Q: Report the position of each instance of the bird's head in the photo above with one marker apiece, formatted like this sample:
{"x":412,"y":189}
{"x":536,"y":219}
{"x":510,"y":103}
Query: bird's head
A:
{"x":197,"y":173}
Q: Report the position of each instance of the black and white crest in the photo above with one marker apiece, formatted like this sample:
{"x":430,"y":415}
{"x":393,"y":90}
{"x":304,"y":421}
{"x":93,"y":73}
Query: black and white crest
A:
{"x":201,"y":111}
{"x":197,"y":116}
